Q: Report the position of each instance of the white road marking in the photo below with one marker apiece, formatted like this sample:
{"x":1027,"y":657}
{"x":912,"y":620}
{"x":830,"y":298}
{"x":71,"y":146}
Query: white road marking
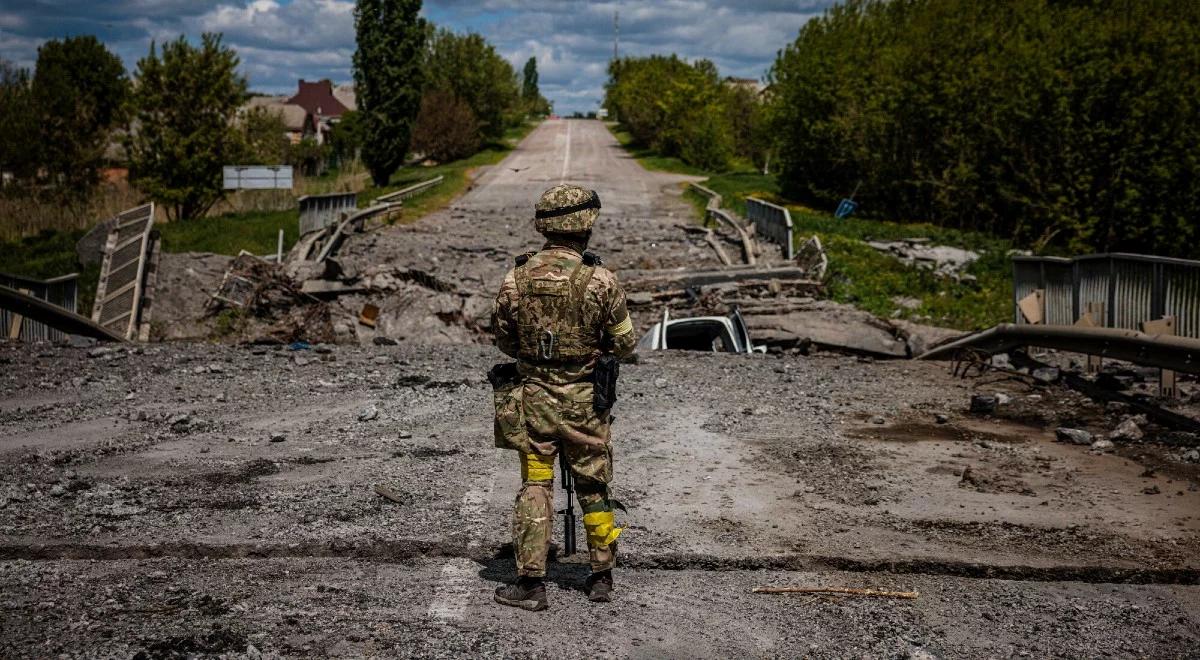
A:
{"x":566,"y":155}
{"x":460,"y":576}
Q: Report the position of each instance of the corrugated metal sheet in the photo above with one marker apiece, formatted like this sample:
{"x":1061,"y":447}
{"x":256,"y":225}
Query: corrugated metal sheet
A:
{"x":1130,"y":288}
{"x":772,"y":222}
{"x":320,"y":211}
{"x":62,"y":291}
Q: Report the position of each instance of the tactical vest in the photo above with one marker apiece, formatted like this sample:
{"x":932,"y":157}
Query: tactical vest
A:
{"x":551,"y":323}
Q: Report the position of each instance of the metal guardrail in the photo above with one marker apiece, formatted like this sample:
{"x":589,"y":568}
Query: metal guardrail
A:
{"x":713,"y":210}
{"x":320,"y":211}
{"x":773,"y":222}
{"x":1130,"y":288}
{"x":62,"y":291}
{"x":405,"y":193}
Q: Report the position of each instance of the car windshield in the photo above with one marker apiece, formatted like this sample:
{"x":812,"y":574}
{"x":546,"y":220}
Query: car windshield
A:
{"x":700,"y":335}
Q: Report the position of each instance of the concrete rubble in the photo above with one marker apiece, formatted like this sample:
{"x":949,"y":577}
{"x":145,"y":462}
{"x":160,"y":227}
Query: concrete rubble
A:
{"x":944,"y":260}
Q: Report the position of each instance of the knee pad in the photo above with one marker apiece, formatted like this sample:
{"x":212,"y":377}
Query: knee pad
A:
{"x":598,"y":520}
{"x":535,"y":467}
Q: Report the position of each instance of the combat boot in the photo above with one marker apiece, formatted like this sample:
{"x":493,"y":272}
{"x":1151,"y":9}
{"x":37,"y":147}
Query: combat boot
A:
{"x":527,"y":593}
{"x":600,"y":587}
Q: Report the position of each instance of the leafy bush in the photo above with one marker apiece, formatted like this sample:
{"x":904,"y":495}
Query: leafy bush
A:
{"x":446,"y":129}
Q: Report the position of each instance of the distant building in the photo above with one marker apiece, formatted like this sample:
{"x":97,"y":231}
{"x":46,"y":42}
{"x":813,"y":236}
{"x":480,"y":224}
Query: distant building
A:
{"x":298,"y":122}
{"x":752,"y":84}
{"x":312,"y":111}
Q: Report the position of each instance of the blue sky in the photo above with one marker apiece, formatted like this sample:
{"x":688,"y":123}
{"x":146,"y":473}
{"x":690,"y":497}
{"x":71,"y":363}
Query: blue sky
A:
{"x":281,"y":41}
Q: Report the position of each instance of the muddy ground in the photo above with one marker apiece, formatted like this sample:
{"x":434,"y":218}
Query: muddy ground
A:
{"x":195,"y":498}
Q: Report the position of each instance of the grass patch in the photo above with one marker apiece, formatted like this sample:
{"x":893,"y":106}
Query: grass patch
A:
{"x":254,"y":231}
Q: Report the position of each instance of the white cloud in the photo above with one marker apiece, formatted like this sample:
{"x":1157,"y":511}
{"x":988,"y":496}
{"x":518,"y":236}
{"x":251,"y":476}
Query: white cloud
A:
{"x":280,"y":41}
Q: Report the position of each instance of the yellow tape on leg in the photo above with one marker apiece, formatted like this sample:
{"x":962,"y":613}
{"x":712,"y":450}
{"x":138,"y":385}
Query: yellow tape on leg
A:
{"x":535,"y":467}
{"x":600,"y":530}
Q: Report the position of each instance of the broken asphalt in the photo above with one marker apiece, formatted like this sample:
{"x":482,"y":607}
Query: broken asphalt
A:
{"x":199,"y":498}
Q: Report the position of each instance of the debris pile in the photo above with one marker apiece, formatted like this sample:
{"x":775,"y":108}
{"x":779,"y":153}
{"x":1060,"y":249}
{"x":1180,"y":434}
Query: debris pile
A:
{"x":257,"y":303}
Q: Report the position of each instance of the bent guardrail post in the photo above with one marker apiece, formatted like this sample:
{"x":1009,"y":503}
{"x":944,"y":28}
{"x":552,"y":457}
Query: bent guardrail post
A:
{"x":713,"y":210}
{"x":1161,"y":350}
{"x":405,"y":193}
{"x":772,"y":221}
{"x":53,"y":316}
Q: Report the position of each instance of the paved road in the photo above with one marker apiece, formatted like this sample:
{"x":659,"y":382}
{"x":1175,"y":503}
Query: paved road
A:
{"x":143,"y":505}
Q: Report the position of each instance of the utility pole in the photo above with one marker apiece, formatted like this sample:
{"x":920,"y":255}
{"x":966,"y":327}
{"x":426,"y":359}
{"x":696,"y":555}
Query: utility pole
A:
{"x":616,"y":33}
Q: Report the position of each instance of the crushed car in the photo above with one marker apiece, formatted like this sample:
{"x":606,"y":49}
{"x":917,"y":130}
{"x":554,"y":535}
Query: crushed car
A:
{"x":717,"y":334}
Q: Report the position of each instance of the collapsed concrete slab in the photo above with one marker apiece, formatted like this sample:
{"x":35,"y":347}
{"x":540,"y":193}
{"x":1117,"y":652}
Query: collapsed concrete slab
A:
{"x":829,"y":325}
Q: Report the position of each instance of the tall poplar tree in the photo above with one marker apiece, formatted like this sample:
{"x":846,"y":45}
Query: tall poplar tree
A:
{"x":388,"y":79}
{"x":529,"y":81}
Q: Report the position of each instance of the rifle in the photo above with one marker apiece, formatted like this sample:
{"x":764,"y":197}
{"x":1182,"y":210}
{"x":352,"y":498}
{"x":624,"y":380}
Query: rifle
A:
{"x":568,"y":512}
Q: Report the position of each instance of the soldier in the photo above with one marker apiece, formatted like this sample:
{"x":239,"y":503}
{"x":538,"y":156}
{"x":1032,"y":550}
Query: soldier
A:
{"x":558,"y":312}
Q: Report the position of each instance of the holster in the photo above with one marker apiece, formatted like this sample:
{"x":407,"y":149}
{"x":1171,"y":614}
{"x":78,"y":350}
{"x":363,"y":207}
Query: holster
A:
{"x":509,"y":423}
{"x":604,"y":384}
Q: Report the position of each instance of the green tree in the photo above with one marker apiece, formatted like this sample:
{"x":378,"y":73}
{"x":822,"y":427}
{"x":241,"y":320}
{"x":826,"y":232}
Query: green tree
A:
{"x":673,"y":107}
{"x":18,"y":124}
{"x":346,"y":138}
{"x":183,"y":133}
{"x":1070,"y":126}
{"x":79,"y":90}
{"x":529,"y":80}
{"x":446,"y":128}
{"x":389,"y":79}
{"x":470,"y":68}
{"x":531,"y":96}
{"x":264,"y":137}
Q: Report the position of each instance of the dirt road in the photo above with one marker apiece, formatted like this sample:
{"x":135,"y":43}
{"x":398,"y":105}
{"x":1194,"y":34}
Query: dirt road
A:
{"x":205,"y":498}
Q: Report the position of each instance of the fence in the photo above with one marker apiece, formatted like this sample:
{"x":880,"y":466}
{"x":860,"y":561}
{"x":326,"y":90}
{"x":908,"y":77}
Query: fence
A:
{"x":62,"y":291}
{"x":320,"y":211}
{"x":772,"y":222}
{"x":1129,"y":288}
{"x":405,"y":193}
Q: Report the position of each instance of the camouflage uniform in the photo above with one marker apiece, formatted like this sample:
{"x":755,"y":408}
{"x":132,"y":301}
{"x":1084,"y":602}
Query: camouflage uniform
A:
{"x":556,"y":314}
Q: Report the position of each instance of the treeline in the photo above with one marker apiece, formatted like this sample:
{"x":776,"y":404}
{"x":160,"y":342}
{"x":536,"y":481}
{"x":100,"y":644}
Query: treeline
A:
{"x":1069,"y":123}
{"x":687,"y":111}
{"x":181,"y":115}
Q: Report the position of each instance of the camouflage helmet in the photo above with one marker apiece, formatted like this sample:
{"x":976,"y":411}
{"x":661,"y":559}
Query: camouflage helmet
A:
{"x":566,"y":209}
